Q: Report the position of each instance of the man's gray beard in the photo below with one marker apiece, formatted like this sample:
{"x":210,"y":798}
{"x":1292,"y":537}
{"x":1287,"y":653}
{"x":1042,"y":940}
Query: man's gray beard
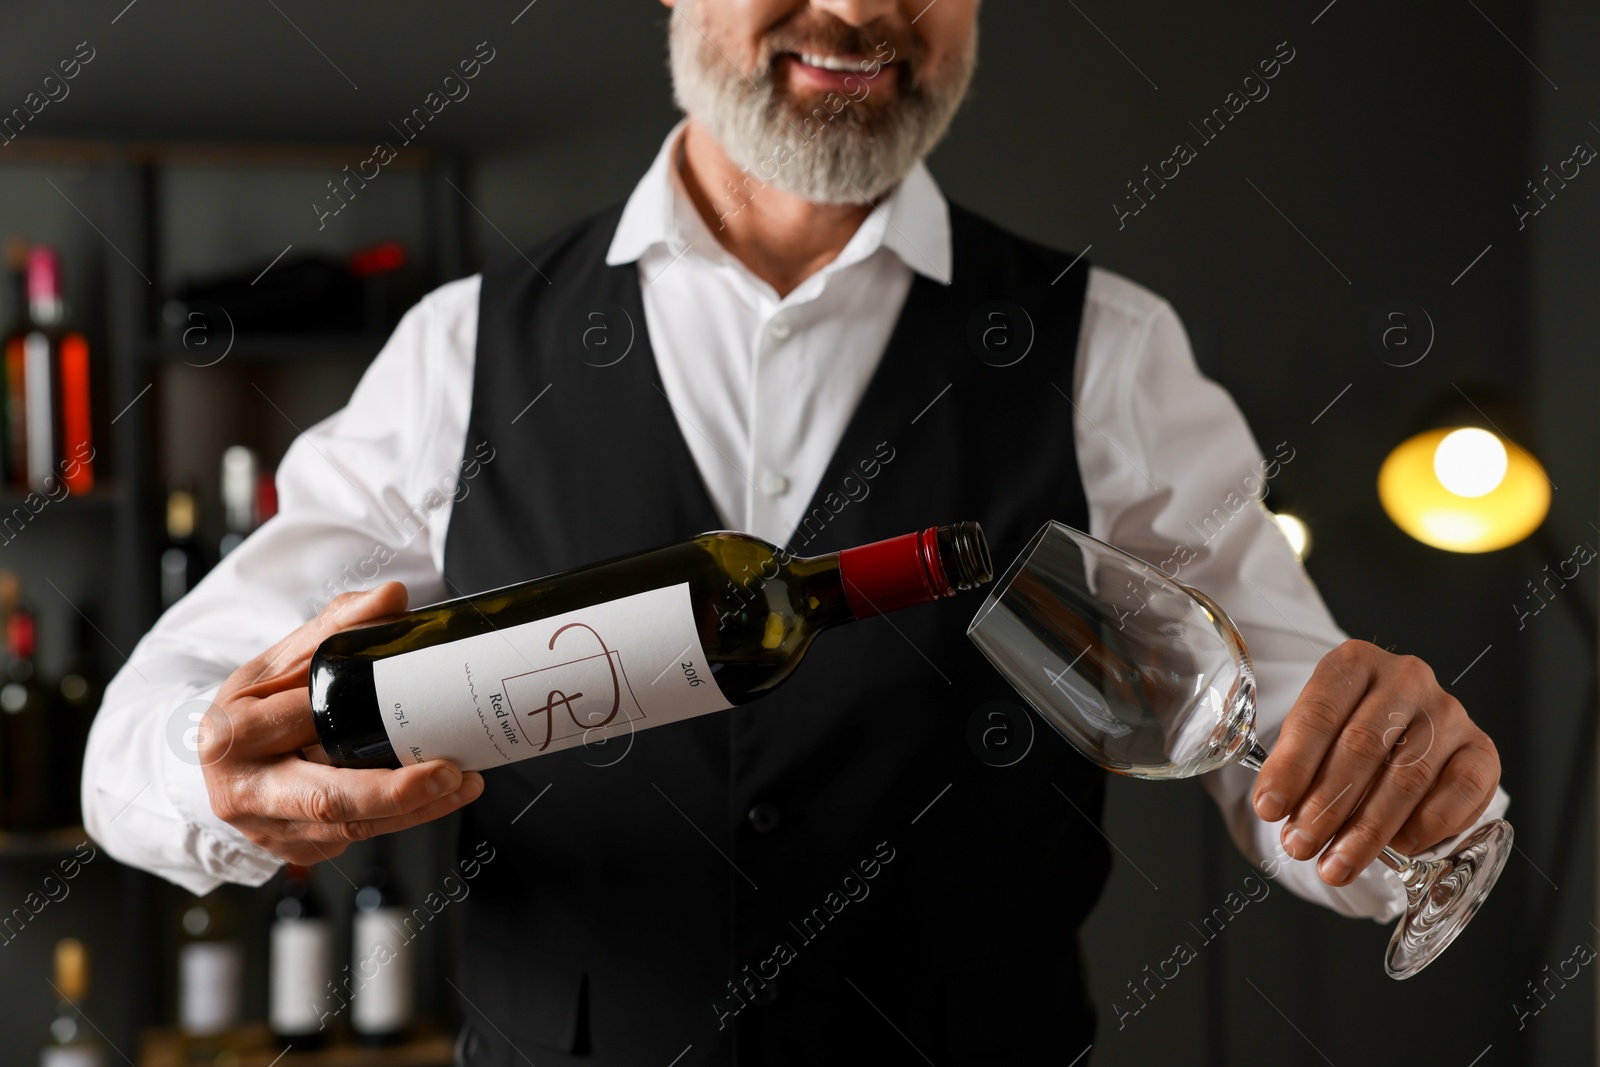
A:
{"x":853,"y":156}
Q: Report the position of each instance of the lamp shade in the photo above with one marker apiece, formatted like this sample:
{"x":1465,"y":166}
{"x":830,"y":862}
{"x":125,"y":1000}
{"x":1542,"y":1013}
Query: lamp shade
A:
{"x":1503,"y":508}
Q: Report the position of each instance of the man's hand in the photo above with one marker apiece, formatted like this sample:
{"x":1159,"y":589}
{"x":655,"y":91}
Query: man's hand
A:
{"x":1374,"y":752}
{"x":301,"y":810}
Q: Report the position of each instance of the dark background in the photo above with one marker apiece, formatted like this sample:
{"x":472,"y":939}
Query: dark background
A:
{"x":1395,"y":141}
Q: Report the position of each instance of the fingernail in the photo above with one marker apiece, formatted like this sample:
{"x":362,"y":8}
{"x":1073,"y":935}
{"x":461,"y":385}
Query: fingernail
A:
{"x":1299,"y":844}
{"x":444,"y":780}
{"x":1335,"y":869}
{"x":1271,"y":806}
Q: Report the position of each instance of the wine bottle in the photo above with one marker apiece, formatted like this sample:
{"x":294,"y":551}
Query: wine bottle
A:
{"x":14,"y":447}
{"x":383,"y":999}
{"x":238,"y":497}
{"x":72,"y":1042}
{"x":210,"y":971}
{"x":180,"y":560}
{"x":56,"y":382}
{"x":77,"y":694}
{"x":266,"y":497}
{"x":301,"y":969}
{"x":636,"y":641}
{"x":26,"y":731}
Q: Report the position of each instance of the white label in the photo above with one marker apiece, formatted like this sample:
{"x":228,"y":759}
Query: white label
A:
{"x":302,"y":967}
{"x":208,"y":982}
{"x":381,"y":960}
{"x":72,"y":1056}
{"x":543,"y":686}
{"x":40,"y":421}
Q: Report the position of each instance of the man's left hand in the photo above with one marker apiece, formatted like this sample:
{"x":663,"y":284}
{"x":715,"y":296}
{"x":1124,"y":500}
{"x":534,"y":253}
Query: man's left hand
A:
{"x":1374,"y":752}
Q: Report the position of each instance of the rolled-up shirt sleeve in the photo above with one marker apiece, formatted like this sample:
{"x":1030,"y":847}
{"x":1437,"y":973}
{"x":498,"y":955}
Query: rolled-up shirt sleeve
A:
{"x":1173,"y":475}
{"x":364,"y":498}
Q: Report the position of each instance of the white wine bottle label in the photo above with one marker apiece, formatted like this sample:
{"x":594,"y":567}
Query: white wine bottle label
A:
{"x":302,"y":966}
{"x":381,"y":961}
{"x":572,"y":679}
{"x":72,"y":1056}
{"x":209,"y":974}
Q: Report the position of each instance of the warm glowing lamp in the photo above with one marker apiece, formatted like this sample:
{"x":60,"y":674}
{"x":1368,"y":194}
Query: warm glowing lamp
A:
{"x":1464,"y":489}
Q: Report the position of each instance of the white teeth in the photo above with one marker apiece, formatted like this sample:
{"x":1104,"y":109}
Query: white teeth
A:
{"x":860,"y":66}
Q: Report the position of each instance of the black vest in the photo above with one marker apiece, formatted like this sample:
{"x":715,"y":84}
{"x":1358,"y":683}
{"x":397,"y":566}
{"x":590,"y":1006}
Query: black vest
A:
{"x":863,"y":861}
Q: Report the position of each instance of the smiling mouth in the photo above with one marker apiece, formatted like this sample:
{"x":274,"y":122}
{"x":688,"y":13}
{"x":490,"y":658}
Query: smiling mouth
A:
{"x":841,"y":64}
{"x":821,"y":71}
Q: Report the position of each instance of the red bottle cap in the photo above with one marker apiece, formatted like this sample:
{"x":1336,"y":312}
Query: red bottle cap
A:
{"x":379,"y":259}
{"x":888,"y":575}
{"x":266,"y":497}
{"x":20,"y":635}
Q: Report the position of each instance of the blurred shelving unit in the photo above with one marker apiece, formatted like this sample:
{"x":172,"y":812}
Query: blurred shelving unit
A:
{"x":47,"y":843}
{"x":133,"y":222}
{"x":165,"y":1048}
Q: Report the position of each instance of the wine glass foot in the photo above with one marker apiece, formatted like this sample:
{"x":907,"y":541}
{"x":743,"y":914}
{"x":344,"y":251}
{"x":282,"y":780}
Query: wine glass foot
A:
{"x":1447,"y":893}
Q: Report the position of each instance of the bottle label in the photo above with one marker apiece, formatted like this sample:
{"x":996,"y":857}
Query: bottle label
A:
{"x":75,"y":1056}
{"x":209,"y":974}
{"x":573,"y":679}
{"x":302,"y":972}
{"x":38,"y":377}
{"x":382,"y":963}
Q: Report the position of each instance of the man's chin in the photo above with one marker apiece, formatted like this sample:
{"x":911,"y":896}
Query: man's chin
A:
{"x":812,"y":112}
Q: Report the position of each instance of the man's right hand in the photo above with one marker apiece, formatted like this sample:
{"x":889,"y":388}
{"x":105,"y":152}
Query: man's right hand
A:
{"x":295,"y":807}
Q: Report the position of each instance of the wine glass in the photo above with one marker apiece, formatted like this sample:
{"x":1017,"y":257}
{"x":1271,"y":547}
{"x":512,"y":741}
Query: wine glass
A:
{"x":1150,"y":678}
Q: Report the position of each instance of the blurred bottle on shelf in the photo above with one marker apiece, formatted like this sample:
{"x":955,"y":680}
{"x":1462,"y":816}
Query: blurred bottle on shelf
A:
{"x":210,"y":974}
{"x":49,"y":366}
{"x":380,"y":269}
{"x":14,"y":440}
{"x":313,"y":294}
{"x":72,"y":1042}
{"x":301,"y":969}
{"x":383,"y":1000}
{"x":26,"y":726}
{"x":240,"y":476}
{"x":181,"y":565}
{"x":77,"y":694}
{"x":266,"y":497}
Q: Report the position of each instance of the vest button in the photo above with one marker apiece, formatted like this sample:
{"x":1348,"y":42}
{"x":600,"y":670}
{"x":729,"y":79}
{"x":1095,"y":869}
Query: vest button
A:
{"x":764,"y":817}
{"x":765,"y":995}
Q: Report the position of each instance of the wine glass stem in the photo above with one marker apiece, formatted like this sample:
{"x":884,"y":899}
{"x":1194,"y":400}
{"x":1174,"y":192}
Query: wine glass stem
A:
{"x":1410,"y":871}
{"x":1413,"y":874}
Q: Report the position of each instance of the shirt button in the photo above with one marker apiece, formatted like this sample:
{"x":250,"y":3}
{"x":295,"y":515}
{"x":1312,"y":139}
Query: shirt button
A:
{"x":772,"y":483}
{"x":764,"y":817}
{"x":779,"y":328}
{"x":767,"y":994}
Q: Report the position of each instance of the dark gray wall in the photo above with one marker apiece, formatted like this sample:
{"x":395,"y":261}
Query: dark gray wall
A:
{"x":1395,"y":142}
{"x":1561,"y":330}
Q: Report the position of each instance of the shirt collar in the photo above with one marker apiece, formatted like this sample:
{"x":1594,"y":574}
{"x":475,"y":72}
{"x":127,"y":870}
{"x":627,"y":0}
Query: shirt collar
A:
{"x":912,"y":220}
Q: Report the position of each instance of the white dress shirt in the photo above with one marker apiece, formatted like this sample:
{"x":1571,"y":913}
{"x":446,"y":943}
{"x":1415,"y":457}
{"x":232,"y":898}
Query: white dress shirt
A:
{"x":762,"y":388}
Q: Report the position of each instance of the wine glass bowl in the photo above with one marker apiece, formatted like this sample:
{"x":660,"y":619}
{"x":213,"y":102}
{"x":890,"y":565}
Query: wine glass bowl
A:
{"x":1149,"y":678}
{"x":1107,"y":653}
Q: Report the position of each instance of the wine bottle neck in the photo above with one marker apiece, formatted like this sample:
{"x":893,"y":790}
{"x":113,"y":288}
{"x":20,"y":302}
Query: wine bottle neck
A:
{"x":912,"y":569}
{"x":44,"y":287}
{"x":822,"y":590}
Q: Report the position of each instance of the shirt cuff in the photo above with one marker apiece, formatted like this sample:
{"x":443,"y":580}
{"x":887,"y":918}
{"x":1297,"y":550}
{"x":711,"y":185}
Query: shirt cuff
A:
{"x":222,"y":852}
{"x":1376,"y":893}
